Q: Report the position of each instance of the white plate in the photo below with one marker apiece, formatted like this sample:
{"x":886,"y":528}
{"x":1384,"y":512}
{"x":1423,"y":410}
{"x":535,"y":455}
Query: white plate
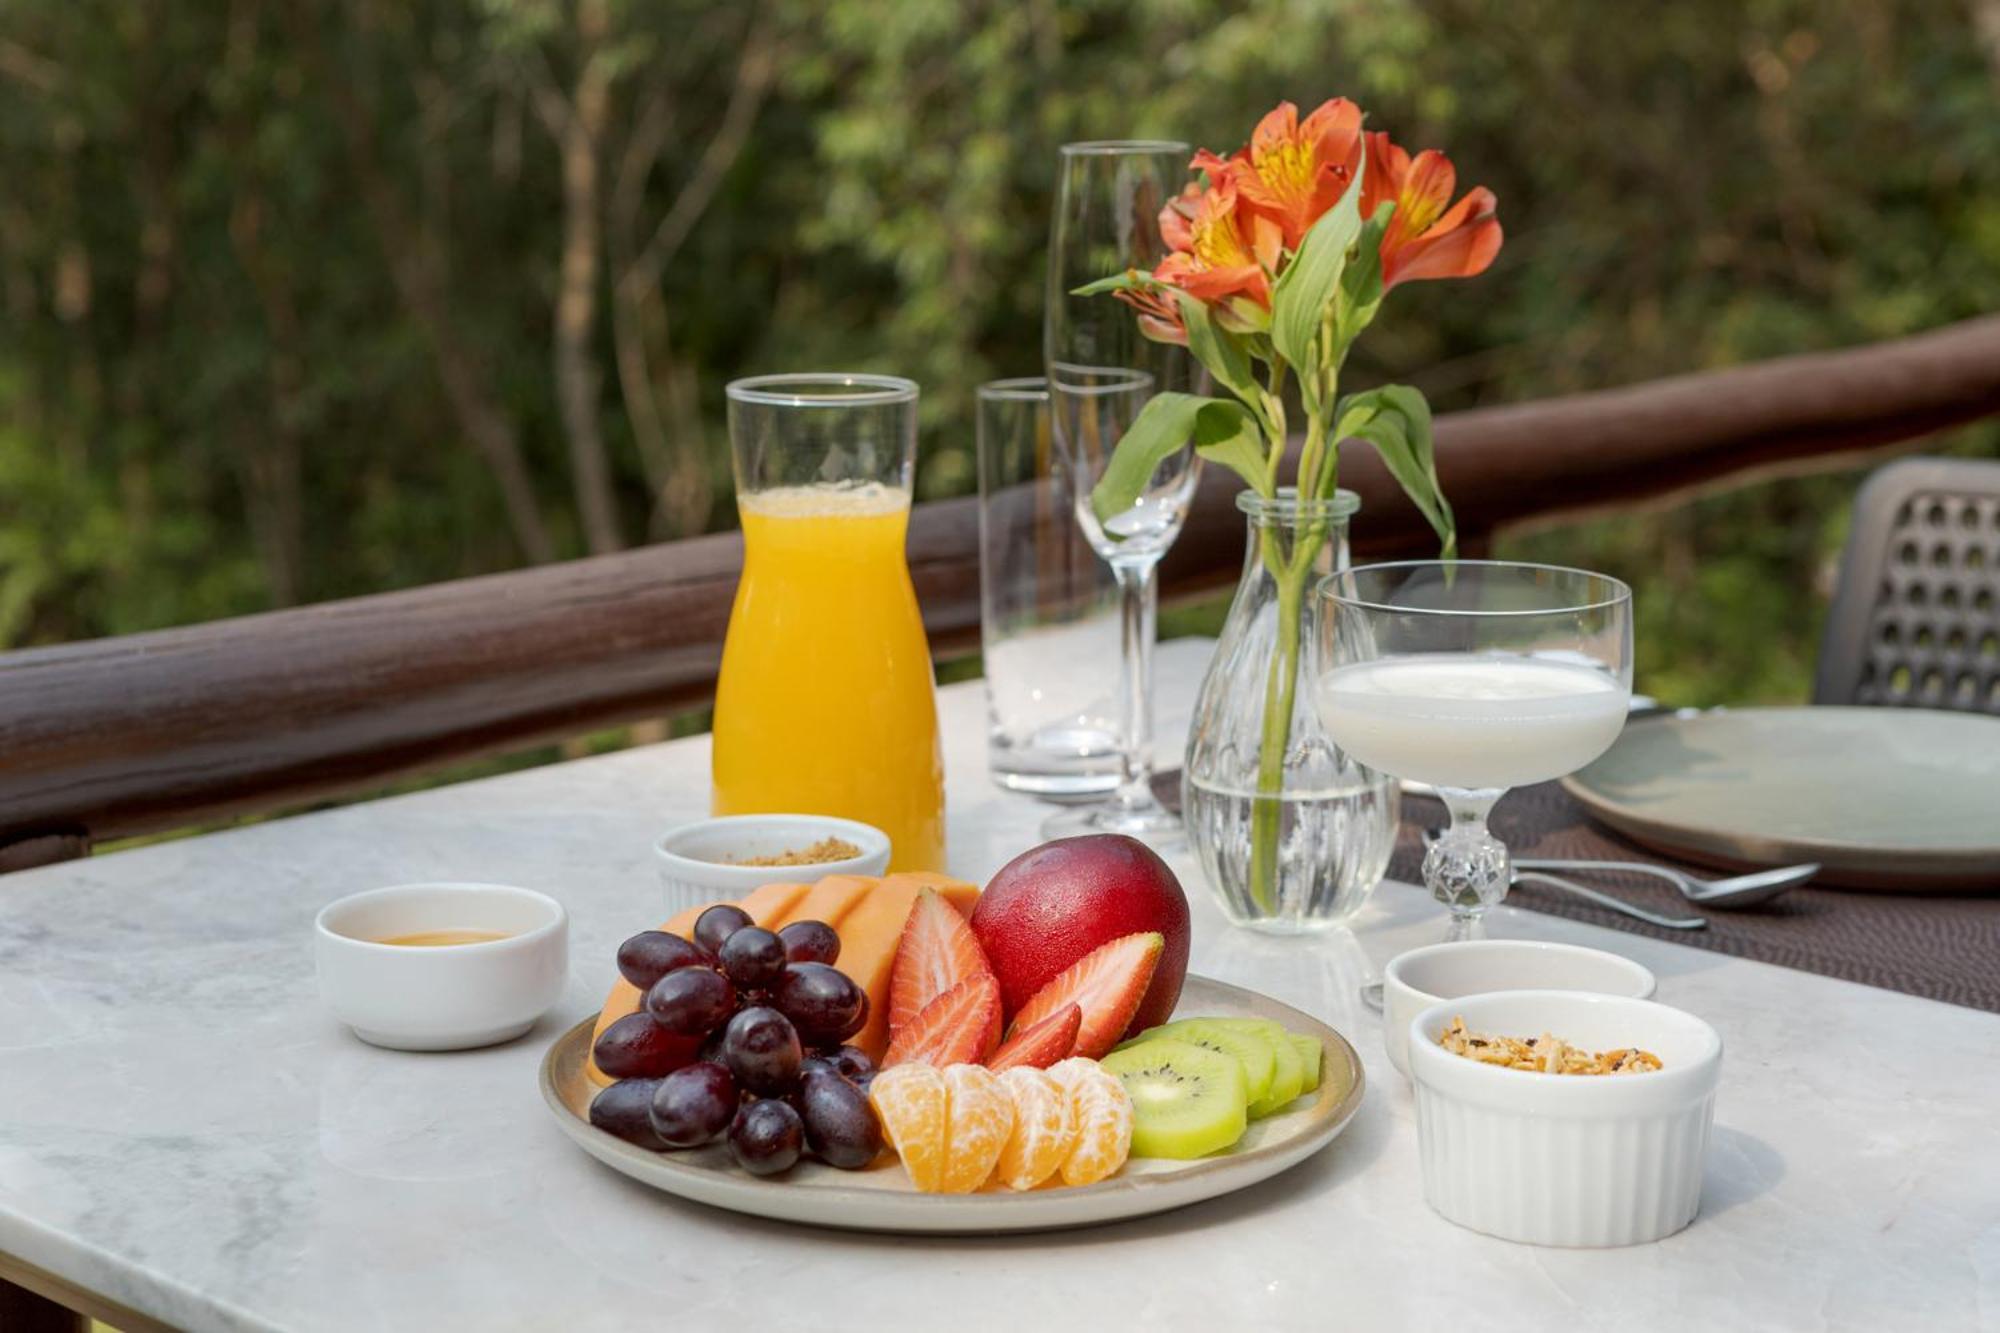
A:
{"x":1883,"y":798}
{"x":882,"y":1198}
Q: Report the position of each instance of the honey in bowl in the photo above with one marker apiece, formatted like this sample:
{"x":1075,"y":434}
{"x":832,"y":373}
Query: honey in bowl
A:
{"x":431,"y":939}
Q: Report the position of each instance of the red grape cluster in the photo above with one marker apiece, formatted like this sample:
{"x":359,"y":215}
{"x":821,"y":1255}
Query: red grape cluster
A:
{"x":720,"y":1046}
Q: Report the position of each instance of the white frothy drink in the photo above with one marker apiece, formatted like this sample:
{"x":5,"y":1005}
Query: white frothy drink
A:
{"x":1472,"y":719}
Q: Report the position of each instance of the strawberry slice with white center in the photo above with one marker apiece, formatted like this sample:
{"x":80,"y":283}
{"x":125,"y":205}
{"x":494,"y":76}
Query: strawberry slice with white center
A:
{"x":937,"y":951}
{"x":1107,"y":984}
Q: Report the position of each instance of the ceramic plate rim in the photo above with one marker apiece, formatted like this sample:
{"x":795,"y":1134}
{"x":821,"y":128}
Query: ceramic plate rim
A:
{"x":1118,"y":1199}
{"x":1846,"y":861}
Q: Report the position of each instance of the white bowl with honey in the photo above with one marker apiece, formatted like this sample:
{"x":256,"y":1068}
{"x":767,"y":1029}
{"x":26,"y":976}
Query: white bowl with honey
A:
{"x":720,"y":860}
{"x":441,"y":967}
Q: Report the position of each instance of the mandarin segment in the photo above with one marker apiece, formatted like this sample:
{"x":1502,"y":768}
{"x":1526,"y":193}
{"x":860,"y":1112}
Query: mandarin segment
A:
{"x":1044,"y":1129}
{"x":979,"y":1119}
{"x":1103,"y":1115}
{"x":911,"y":1102}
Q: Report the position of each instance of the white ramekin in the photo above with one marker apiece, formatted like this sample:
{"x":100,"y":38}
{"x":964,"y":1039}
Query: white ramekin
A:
{"x":1554,"y":1159}
{"x":693,"y":860}
{"x":445,"y":997}
{"x":1418,"y":979}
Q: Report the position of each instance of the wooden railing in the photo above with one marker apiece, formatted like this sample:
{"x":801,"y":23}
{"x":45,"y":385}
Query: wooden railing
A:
{"x":121,"y":736}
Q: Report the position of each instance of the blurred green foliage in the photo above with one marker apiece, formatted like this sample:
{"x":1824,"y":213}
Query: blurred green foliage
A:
{"x":288,"y":286}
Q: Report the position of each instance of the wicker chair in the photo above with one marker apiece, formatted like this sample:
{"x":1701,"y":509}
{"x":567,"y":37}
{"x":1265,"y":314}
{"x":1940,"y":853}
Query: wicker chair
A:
{"x":1915,"y":621}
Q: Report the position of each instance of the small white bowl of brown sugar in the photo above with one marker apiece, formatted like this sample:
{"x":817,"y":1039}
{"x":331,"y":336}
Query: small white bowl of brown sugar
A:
{"x":1561,"y":1117}
{"x":719,"y":860}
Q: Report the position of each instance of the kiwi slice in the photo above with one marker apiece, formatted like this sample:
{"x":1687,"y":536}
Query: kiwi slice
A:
{"x":1187,"y":1100}
{"x":1260,"y":1062}
{"x":1289,"y":1077}
{"x":1311,"y":1053}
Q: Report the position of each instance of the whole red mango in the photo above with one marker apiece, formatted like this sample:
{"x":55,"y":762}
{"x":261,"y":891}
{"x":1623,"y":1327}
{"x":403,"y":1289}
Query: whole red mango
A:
{"x":1054,"y":903}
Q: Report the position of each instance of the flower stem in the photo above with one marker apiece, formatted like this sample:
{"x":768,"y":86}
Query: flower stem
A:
{"x":1289,"y":571}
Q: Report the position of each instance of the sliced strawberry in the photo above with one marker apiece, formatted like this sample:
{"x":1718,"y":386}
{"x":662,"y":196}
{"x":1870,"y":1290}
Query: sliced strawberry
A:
{"x":1042,"y":1045}
{"x":936,"y":952}
{"x":954,"y":1029}
{"x":1107,"y":984}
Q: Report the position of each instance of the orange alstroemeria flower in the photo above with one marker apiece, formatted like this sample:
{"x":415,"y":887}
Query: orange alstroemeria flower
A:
{"x":1292,"y":172}
{"x":1425,"y":238}
{"x":1217,"y":265}
{"x":1159,"y":314}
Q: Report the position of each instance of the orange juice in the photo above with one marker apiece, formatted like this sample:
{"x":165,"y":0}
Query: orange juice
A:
{"x":825,"y":704}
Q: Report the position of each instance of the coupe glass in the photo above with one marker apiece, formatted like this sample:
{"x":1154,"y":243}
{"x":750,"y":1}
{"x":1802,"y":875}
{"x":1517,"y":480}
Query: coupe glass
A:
{"x":1473,"y":676}
{"x":1101,"y":372}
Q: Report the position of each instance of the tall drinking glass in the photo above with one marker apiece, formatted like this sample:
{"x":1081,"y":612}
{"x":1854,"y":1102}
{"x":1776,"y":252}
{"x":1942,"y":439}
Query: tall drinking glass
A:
{"x":826,"y":703}
{"x":1047,"y":622}
{"x":1101,"y":372}
{"x":1476,"y":677}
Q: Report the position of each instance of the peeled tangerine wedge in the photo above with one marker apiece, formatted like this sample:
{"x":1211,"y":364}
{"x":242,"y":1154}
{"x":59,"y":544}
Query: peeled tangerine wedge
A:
{"x":979,"y":1121}
{"x":911,"y":1102}
{"x":1103,"y":1115}
{"x":1044,"y":1129}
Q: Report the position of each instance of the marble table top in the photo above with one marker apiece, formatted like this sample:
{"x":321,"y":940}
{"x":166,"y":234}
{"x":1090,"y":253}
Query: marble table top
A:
{"x":184,"y":1131}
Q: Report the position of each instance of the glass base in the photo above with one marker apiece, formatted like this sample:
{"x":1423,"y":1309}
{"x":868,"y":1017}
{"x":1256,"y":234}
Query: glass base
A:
{"x":1134,"y":813}
{"x":1063,"y":788}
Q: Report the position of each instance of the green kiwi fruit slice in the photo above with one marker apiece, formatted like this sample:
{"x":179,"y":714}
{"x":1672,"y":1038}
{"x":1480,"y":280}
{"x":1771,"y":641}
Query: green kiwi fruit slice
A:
{"x":1288,"y":1079}
{"x":1187,"y":1100}
{"x":1260,"y":1062}
{"x":1311,"y":1053}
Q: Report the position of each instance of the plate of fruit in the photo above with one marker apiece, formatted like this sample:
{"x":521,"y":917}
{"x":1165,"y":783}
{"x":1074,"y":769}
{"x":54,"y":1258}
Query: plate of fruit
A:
{"x":908,"y":1054}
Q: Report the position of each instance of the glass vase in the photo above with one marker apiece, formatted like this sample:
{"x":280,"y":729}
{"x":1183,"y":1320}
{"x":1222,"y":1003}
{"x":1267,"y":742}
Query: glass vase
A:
{"x":1292,"y":835}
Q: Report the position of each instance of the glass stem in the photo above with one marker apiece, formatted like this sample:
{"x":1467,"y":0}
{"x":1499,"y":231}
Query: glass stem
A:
{"x":1138,"y":613}
{"x":1467,"y":868}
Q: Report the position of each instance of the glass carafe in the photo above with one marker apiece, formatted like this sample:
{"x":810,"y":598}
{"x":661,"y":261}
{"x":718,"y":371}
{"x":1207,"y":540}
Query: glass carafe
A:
{"x":826,"y":703}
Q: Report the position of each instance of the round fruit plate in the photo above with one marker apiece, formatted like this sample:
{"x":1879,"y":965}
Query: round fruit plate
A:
{"x":881,"y":1198}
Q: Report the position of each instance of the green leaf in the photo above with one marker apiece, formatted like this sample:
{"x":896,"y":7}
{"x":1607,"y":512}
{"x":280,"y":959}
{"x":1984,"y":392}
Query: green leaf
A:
{"x":1397,"y":421}
{"x":1229,"y":434}
{"x":1361,"y":282}
{"x":1165,"y":424}
{"x":1219,"y":350}
{"x":1307,"y":284}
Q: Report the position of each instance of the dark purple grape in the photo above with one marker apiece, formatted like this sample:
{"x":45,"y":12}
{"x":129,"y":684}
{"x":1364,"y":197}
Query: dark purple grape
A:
{"x":840,"y":1125}
{"x":762,"y":1050}
{"x":711,"y":1047}
{"x":853,"y":1063}
{"x":753,"y":957}
{"x":815,"y":1064}
{"x":693,"y":1001}
{"x":693,"y":1105}
{"x":765,"y":1137}
{"x":621,"y":1109}
{"x":651,"y":954}
{"x":637,"y":1047}
{"x":717,"y":924}
{"x":822,"y":1001}
{"x":810,"y":942}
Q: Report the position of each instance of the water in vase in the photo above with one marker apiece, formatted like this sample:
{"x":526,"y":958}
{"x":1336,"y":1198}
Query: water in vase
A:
{"x":1333,"y":846}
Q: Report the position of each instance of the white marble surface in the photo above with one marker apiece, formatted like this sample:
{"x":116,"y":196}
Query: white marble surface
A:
{"x":183,"y":1130}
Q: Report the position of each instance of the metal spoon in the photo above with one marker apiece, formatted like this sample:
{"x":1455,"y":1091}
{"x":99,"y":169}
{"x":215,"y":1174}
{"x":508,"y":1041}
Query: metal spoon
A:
{"x":1606,"y":900}
{"x":1736,"y":891}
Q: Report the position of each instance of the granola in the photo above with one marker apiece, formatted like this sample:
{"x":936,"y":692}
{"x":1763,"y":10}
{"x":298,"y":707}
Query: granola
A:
{"x":1546,"y":1054}
{"x":826,"y":849}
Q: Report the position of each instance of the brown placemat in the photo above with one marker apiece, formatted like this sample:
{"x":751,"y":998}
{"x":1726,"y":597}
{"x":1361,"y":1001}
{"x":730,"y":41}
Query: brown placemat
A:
{"x":1942,"y":947}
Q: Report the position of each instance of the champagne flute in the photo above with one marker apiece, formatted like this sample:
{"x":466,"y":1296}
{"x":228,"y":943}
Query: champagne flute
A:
{"x":1474,"y":676}
{"x":1101,"y":371}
